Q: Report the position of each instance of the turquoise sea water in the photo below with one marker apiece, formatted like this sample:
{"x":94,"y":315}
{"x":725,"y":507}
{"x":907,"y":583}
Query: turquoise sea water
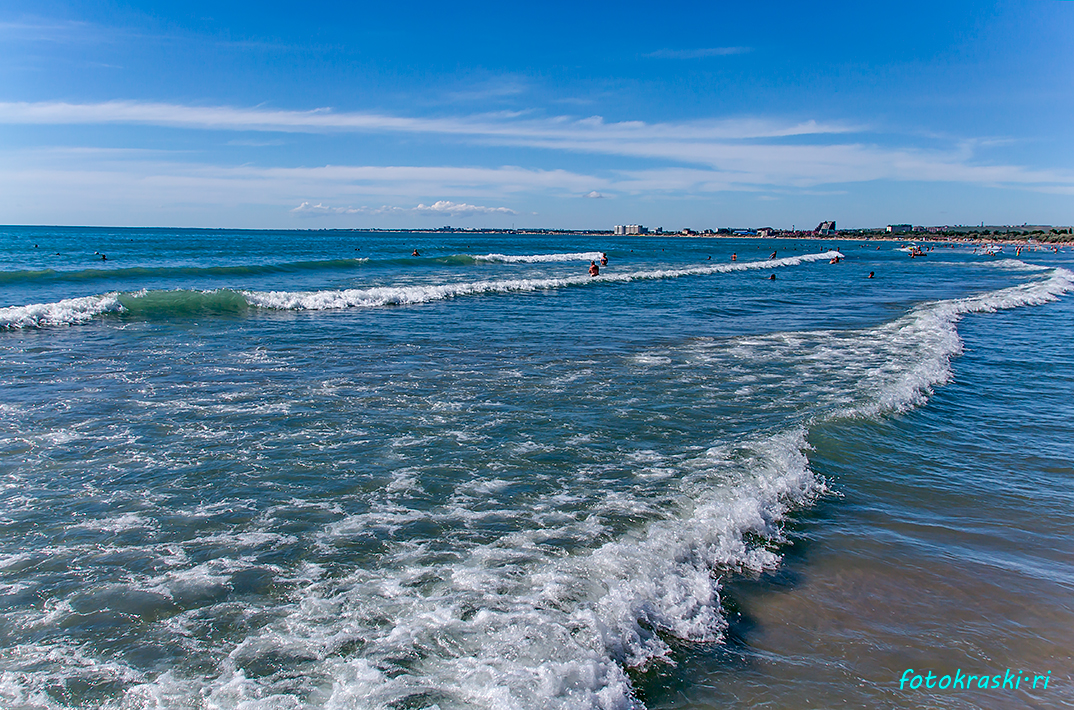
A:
{"x":307,"y":469}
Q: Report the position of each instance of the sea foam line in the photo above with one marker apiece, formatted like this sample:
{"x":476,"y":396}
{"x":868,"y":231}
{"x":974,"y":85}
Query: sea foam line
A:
{"x":540,"y":258}
{"x":81,"y":310}
{"x":559,"y":633}
{"x":66,"y":312}
{"x":931,"y":328}
{"x":406,"y":295}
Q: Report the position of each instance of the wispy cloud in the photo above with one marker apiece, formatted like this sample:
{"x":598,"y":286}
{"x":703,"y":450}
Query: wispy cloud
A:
{"x":689,"y":157}
{"x":33,"y":30}
{"x":697,"y":53}
{"x":490,"y":89}
{"x":506,"y":127}
{"x":594,"y":195}
{"x":254,"y":143}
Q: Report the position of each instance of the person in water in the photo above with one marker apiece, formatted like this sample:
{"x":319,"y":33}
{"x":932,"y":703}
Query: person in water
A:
{"x":594,"y":270}
{"x":603,"y":259}
{"x":415,"y":253}
{"x":734,"y":257}
{"x":870,"y":275}
{"x":773,"y":255}
{"x":772,"y":277}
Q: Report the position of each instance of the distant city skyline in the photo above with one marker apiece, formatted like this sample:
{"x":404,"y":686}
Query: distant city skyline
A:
{"x":260,"y":116}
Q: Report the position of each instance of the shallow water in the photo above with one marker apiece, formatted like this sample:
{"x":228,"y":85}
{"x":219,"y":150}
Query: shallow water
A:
{"x":278,"y":469}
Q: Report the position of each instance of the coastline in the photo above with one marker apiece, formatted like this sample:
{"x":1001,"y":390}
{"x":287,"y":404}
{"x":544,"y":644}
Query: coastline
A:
{"x":1061,"y":235}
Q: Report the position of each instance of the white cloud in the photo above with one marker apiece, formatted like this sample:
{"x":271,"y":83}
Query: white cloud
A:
{"x":668,"y":159}
{"x":440,"y":207}
{"x":507,"y":127}
{"x":460,"y":209}
{"x":744,"y":151}
{"x":319,"y":210}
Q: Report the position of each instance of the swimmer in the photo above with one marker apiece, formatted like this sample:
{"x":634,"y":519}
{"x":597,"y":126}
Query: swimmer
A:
{"x":594,"y":270}
{"x":603,"y":259}
{"x":870,"y":275}
{"x":709,"y":259}
{"x":734,"y":257}
{"x":772,"y":277}
{"x":773,"y":255}
{"x":415,"y":253}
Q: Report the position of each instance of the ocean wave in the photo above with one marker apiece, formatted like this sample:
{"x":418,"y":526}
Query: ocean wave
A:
{"x":406,"y":295}
{"x":504,"y":623}
{"x":930,"y":332}
{"x":225,"y":301}
{"x":499,"y":625}
{"x":540,"y":258}
{"x":66,"y":312}
{"x":86,"y":275}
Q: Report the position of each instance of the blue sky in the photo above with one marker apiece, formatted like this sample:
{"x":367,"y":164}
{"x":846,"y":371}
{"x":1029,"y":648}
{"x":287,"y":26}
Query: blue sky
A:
{"x":325,"y":114}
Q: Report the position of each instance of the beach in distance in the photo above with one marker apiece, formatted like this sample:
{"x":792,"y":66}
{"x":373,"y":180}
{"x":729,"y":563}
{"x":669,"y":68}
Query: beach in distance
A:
{"x":298,"y":469}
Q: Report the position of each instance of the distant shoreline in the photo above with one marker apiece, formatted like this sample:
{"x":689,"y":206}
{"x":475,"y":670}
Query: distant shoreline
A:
{"x":1061,"y":235}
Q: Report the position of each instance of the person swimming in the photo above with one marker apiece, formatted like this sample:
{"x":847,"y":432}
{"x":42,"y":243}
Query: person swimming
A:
{"x":870,"y":275}
{"x":603,"y":259}
{"x":773,"y":255}
{"x":415,"y":253}
{"x":734,"y":257}
{"x":594,"y":270}
{"x":772,"y":277}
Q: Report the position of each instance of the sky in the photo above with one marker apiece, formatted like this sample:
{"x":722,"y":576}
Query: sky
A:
{"x":552,"y":115}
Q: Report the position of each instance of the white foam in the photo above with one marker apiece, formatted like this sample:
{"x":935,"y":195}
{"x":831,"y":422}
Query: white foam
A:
{"x":414,"y":294}
{"x":540,"y":258}
{"x":80,"y":310}
{"x":506,"y":623}
{"x":926,"y":339}
{"x":1011,"y":265}
{"x":66,"y":312}
{"x":509,"y":622}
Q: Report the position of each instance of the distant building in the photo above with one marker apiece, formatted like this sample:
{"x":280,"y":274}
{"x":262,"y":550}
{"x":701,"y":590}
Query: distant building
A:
{"x":630,"y":229}
{"x":826,"y":227}
{"x":899,"y":228}
{"x":767,"y":232}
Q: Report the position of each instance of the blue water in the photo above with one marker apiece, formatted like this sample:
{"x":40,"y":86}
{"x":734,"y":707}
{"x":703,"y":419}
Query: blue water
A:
{"x":308,"y":469}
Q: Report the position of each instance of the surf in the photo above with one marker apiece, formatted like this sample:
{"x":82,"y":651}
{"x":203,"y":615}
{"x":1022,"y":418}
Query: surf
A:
{"x":159,"y":304}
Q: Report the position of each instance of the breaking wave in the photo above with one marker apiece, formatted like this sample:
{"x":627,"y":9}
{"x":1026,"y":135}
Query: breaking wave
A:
{"x":221,"y":301}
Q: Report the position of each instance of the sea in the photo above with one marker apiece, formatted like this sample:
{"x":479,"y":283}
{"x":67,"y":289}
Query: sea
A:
{"x":355,"y":469}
